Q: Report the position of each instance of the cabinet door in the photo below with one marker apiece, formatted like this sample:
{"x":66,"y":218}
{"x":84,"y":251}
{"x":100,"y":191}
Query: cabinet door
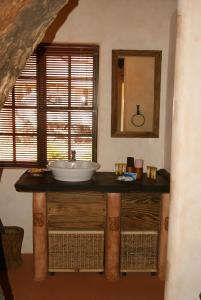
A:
{"x":74,"y":210}
{"x":140,"y":211}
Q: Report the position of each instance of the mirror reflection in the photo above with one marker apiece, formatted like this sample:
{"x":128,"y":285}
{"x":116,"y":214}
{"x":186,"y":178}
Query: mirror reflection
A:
{"x":135,"y":93}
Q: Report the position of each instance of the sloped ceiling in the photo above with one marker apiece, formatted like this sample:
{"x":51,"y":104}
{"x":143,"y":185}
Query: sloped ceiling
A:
{"x":23,"y":25}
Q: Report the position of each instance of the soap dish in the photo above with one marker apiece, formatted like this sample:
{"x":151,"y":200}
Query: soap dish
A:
{"x":127,"y":177}
{"x":36,"y":172}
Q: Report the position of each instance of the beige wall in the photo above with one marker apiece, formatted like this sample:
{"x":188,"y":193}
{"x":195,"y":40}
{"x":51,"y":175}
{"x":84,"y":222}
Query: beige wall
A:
{"x":184,"y":248}
{"x":170,"y":91}
{"x":16,"y":208}
{"x":113,"y":24}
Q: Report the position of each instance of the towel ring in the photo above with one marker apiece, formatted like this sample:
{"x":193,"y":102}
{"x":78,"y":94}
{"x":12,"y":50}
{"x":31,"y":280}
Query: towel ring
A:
{"x":138,"y":119}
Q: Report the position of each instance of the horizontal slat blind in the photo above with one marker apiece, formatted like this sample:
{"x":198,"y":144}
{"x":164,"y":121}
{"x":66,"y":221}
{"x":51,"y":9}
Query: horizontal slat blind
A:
{"x":52,"y":109}
{"x":18,"y":120}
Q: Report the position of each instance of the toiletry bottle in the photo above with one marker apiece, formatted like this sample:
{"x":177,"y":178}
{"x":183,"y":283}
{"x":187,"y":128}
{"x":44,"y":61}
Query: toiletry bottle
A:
{"x":139,"y":168}
{"x":130,"y":164}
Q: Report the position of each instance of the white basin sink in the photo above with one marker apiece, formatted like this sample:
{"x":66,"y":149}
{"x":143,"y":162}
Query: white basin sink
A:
{"x":73,"y":171}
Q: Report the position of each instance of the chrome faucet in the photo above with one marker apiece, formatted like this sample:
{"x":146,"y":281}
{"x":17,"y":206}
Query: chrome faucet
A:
{"x":73,"y":155}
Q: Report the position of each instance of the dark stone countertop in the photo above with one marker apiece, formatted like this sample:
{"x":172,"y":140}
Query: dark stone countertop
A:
{"x":105,"y":182}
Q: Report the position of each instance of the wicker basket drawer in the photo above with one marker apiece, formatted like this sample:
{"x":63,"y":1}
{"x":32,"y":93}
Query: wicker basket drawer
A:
{"x":139,"y":251}
{"x":76,"y":251}
{"x":71,"y":251}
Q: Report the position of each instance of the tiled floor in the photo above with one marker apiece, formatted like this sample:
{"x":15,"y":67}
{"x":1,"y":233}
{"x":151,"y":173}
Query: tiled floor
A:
{"x":89,"y":286}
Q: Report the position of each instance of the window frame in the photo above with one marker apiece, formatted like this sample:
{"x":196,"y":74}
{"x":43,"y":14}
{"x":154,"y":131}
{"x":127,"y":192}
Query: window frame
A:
{"x":41,"y":103}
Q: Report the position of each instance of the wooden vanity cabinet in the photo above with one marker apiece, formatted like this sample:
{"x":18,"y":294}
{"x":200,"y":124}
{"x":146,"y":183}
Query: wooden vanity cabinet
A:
{"x":76,"y":225}
{"x":102,"y":224}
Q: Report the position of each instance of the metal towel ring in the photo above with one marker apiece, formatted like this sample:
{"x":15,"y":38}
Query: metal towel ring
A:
{"x":138,"y":119}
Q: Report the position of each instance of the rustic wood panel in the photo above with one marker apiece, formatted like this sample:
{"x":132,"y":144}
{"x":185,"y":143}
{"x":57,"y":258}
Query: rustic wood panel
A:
{"x":87,"y":210}
{"x":40,"y":236}
{"x":162,"y":262}
{"x":74,"y":210}
{"x":112,"y":236}
{"x":140,"y":211}
{"x":23,"y":25}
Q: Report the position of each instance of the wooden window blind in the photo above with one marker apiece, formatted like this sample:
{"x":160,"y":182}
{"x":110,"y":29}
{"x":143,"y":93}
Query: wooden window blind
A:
{"x":52,"y":109}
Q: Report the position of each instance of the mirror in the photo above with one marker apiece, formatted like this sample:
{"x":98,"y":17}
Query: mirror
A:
{"x":136,"y":80}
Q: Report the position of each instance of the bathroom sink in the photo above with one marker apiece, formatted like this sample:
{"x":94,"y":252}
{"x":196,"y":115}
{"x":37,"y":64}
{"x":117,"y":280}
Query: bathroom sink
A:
{"x":73,"y":171}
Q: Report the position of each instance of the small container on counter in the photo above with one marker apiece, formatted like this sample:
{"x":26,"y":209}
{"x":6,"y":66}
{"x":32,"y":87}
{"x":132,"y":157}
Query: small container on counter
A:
{"x":124,"y":168}
{"x":116,"y":169}
{"x":120,"y":168}
{"x":139,"y":168}
{"x":130,"y":164}
{"x":151,"y":172}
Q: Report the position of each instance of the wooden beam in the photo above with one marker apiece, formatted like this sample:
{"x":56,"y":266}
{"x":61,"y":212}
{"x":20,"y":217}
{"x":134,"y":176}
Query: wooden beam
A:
{"x":112,"y":237}
{"x":23,"y":25}
{"x":40,"y":236}
{"x":163,"y":240}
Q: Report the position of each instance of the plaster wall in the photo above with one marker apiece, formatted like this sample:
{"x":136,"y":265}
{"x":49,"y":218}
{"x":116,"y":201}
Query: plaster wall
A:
{"x":184,"y":247}
{"x":170,"y":92}
{"x":16,"y":208}
{"x":114,"y":24}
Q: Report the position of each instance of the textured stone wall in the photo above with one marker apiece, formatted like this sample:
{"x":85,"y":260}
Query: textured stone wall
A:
{"x":23,"y":25}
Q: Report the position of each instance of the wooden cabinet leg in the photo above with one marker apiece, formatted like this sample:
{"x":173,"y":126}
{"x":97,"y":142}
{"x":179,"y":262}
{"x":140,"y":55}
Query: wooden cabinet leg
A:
{"x":163,"y":236}
{"x":112,"y":237}
{"x":39,"y":236}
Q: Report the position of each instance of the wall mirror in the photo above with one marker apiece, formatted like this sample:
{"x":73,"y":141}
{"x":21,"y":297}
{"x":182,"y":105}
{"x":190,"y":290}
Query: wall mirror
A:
{"x":136,"y":80}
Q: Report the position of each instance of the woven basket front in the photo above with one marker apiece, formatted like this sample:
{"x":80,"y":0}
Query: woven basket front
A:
{"x":12,"y":243}
{"x":139,"y":251}
{"x":76,"y":251}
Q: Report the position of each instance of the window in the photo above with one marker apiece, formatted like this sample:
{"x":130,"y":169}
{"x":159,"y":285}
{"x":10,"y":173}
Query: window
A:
{"x":52,"y":108}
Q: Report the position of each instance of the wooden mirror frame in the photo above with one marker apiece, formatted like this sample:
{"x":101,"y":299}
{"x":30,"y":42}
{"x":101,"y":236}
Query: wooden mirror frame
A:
{"x":157,"y":55}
